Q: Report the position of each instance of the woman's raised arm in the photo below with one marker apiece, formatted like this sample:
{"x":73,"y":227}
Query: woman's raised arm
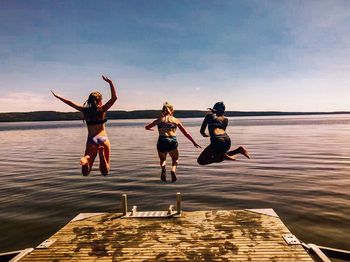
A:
{"x":68,"y":102}
{"x":111,"y":101}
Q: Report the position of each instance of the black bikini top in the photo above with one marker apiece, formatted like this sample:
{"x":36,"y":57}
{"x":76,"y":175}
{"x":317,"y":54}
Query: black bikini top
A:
{"x":216,"y":122}
{"x":166,"y":124}
{"x":96,"y":122}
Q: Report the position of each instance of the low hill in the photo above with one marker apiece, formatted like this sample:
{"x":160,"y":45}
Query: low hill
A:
{"x":138,"y":114}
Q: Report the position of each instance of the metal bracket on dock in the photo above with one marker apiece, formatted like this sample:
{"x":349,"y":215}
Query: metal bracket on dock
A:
{"x":291,"y":239}
{"x":137,"y":214}
{"x":47,"y":243}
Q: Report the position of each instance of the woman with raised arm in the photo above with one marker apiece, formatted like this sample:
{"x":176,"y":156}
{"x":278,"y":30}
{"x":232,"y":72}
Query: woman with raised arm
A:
{"x":94,"y":112}
{"x":220,"y":142}
{"x":167,"y":142}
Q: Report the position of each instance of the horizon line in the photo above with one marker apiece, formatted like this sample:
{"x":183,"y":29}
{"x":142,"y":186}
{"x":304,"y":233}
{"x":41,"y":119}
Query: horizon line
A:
{"x":190,"y":110}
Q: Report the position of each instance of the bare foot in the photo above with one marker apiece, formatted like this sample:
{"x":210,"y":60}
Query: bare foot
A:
{"x":173,"y":177}
{"x":84,"y":160}
{"x":244,"y":152}
{"x":227,"y":157}
{"x":163,"y":175}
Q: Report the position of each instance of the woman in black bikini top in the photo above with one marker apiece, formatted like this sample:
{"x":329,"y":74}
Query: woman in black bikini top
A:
{"x":220,"y":142}
{"x":95,"y":116}
{"x":167,"y":142}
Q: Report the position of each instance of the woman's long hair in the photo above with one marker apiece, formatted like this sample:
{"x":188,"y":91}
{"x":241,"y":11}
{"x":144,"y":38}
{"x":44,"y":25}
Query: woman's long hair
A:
{"x":218,"y":108}
{"x":92,"y":110}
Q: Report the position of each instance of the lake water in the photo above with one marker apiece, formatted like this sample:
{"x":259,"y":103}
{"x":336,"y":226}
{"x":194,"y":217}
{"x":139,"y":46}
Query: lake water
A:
{"x":299,"y":166}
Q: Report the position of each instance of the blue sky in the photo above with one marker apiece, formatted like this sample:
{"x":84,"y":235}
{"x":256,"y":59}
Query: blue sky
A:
{"x":253,"y":55}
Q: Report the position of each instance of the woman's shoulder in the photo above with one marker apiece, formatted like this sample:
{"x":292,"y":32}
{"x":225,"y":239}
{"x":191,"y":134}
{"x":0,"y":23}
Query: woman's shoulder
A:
{"x":160,"y":119}
{"x":173,"y":119}
{"x":209,"y":116}
{"x":222,"y":118}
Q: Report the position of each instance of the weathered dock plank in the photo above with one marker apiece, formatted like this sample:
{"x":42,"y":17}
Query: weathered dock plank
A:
{"x":224,"y":235}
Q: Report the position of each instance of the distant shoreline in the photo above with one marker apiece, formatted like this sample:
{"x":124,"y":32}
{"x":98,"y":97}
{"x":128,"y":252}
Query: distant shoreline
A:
{"x":140,"y":114}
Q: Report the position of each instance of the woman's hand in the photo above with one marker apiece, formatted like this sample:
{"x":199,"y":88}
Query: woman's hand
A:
{"x":54,"y":94}
{"x":111,"y":101}
{"x":109,"y":81}
{"x":205,"y":135}
{"x":196,"y":145}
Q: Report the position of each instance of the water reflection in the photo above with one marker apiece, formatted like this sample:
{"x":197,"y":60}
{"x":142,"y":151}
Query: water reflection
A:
{"x":299,"y":167}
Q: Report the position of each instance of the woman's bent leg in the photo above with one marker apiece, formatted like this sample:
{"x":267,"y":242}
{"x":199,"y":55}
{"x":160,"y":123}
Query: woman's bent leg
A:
{"x":104,"y":152}
{"x":207,"y":157}
{"x":239,"y":150}
{"x":175,"y":160}
{"x":88,"y":159}
{"x":162,"y":162}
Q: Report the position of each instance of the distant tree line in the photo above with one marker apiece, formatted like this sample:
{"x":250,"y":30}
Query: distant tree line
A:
{"x":138,"y":114}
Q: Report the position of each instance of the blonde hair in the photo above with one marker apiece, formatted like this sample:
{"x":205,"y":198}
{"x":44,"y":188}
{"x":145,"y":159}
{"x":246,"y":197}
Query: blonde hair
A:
{"x":93,"y":100}
{"x":167,"y":109}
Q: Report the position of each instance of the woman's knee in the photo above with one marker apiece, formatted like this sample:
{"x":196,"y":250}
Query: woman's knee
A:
{"x":201,"y":161}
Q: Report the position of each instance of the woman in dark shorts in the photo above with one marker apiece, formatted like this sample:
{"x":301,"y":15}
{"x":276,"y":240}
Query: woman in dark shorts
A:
{"x":167,"y":142}
{"x":220,"y":142}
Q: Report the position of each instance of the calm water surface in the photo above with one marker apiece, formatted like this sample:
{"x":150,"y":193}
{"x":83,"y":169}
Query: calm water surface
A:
{"x":300,"y":167}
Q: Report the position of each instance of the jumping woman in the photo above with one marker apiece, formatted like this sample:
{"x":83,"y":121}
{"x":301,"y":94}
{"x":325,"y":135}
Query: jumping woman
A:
{"x":220,"y":142}
{"x":94,"y":113}
{"x":167,"y":142}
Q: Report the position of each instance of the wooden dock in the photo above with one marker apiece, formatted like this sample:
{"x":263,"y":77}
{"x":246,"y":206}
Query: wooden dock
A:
{"x":222,"y":235}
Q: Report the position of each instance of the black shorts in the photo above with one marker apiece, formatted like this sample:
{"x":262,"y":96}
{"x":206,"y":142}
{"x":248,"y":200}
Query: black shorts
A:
{"x":220,"y":143}
{"x":167,"y":143}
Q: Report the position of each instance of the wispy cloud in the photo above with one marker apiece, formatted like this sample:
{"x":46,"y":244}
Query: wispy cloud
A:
{"x":27,"y":101}
{"x":256,"y":55}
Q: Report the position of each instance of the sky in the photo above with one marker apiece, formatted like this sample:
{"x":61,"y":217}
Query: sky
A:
{"x":254,"y":55}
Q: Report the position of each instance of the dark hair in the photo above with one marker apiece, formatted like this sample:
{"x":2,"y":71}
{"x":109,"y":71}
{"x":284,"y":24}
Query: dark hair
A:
{"x":219,"y":108}
{"x":92,"y":110}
